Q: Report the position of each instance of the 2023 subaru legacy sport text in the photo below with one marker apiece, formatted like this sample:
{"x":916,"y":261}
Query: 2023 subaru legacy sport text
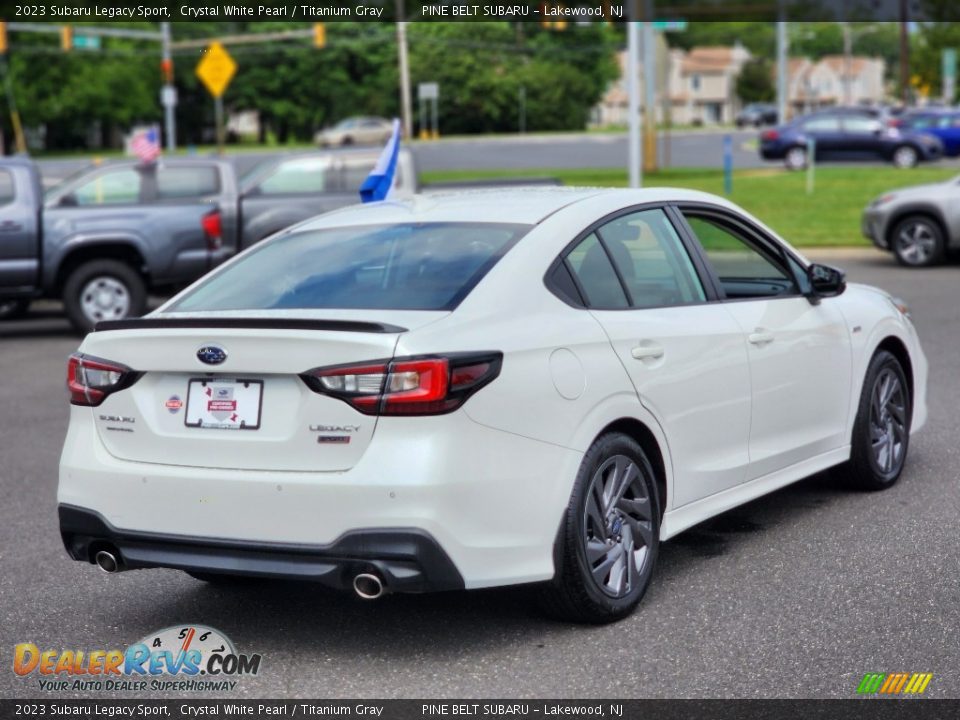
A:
{"x":481,"y":389}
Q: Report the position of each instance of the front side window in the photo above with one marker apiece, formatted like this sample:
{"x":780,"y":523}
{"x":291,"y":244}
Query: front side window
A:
{"x":744,"y":266}
{"x":113,"y":187}
{"x":415,"y":266}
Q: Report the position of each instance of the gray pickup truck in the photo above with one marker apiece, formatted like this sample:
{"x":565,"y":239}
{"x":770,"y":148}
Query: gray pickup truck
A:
{"x":102,"y":240}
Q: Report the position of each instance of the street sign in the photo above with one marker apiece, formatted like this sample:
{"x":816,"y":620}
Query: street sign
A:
{"x":428,"y":91}
{"x":168,"y":96}
{"x":949,"y":75}
{"x":216,"y":69}
{"x":86,"y":42}
{"x":670,"y":25}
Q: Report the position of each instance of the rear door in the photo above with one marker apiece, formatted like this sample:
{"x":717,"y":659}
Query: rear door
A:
{"x":685,"y":354}
{"x":826,"y":132}
{"x":19,"y":233}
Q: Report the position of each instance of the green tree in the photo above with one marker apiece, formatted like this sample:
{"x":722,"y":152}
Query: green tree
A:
{"x":755,"y":81}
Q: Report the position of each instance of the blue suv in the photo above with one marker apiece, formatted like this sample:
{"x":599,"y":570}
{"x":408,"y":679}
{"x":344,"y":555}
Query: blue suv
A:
{"x":847,"y":135}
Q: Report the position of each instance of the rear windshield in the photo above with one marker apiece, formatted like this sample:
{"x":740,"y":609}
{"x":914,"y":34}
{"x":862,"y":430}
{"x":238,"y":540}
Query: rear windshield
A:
{"x":429,"y":266}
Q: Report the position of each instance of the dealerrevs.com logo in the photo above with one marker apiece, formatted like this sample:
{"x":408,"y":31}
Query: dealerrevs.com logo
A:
{"x":178,"y":658}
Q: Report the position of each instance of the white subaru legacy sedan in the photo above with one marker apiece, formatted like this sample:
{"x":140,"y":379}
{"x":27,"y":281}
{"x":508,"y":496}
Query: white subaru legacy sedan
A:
{"x":481,"y":389}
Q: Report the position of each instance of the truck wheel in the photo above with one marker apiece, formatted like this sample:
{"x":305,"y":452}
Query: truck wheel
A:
{"x":103,"y":290}
{"x":12,"y":309}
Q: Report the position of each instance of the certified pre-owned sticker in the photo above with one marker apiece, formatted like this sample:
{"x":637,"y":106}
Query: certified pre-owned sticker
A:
{"x":173,"y":404}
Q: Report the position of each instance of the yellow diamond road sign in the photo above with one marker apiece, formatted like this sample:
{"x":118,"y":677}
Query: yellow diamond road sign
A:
{"x":216,"y":69}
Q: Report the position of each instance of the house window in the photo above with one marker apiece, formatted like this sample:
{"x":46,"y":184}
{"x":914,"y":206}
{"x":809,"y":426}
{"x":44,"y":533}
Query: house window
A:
{"x":695,"y":82}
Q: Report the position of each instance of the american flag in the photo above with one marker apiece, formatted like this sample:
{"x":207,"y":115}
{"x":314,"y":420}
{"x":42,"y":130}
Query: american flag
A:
{"x":146,"y":145}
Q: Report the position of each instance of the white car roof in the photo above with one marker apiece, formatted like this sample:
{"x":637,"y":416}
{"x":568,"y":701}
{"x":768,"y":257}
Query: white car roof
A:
{"x":522,"y":205}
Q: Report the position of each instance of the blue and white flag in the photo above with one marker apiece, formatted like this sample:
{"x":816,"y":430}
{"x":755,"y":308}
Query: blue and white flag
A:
{"x":380,"y":180}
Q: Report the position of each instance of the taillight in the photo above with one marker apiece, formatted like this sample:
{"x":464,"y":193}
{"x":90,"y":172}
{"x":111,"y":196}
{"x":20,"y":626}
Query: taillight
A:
{"x":430,"y":385}
{"x":213,"y":229}
{"x":90,"y":379}
{"x":769,"y":135}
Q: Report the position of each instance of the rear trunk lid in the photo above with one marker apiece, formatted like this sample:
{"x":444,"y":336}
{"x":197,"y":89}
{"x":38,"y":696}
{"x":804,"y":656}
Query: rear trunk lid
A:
{"x":250,"y":411}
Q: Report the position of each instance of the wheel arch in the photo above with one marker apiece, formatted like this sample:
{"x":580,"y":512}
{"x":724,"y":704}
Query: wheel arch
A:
{"x":895,"y":346}
{"x":931,"y":212}
{"x":120,"y":250}
{"x":638,"y":431}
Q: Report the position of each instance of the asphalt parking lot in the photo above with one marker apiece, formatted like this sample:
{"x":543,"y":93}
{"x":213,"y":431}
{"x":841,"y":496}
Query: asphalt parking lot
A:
{"x":795,"y":595}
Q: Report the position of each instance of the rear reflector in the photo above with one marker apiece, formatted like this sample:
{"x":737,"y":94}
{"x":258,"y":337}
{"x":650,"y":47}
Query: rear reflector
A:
{"x":91,"y":379}
{"x":431,"y":385}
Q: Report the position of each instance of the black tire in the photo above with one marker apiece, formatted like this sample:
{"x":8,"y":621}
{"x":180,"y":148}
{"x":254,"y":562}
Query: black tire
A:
{"x":918,"y":241}
{"x":593,"y":592}
{"x":13,"y":309}
{"x":118,"y":275}
{"x":867,"y":468}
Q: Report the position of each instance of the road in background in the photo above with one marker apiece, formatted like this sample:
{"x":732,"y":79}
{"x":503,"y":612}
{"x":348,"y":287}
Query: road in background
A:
{"x":797,"y":594}
{"x":697,"y":148}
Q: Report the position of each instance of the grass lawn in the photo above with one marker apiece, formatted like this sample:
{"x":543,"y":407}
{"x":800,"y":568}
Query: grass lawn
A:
{"x":828,"y":217}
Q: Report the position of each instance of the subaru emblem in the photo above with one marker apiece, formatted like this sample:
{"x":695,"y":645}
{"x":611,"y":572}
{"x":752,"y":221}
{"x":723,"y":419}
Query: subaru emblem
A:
{"x":211,"y":355}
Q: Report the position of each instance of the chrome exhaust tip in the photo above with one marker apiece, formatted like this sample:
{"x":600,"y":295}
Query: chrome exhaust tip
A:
{"x":107,"y":561}
{"x":368,"y":586}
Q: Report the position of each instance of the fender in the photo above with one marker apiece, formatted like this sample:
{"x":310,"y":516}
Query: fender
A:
{"x":923,"y":208}
{"x":58,"y":251}
{"x":619,"y":407}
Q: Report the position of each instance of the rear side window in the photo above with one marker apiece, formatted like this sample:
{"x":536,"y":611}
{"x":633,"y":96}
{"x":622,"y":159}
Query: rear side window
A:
{"x":651,"y":259}
{"x":7,"y":192}
{"x":427,"y":266}
{"x":591,"y":265}
{"x":187,"y":182}
{"x":302,"y":175}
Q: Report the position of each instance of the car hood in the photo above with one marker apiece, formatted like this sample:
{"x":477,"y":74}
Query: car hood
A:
{"x":927,"y":191}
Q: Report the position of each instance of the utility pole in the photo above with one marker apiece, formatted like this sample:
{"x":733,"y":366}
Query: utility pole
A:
{"x":782,"y":51}
{"x":635,"y":152}
{"x":649,"y":88}
{"x":904,"y":54}
{"x":405,"y":106}
{"x":847,"y":62}
{"x":168,"y":95}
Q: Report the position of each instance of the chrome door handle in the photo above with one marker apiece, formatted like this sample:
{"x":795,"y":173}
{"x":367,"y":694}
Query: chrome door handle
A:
{"x":760,"y":337}
{"x":647,"y":352}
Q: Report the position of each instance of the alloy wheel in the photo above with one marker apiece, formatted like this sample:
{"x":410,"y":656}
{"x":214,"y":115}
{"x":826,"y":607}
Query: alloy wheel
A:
{"x":888,"y":422}
{"x":617,"y":525}
{"x":917,"y":243}
{"x":905,"y":157}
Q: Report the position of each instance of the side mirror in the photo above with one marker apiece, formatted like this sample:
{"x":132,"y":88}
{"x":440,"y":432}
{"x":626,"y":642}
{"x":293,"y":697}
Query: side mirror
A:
{"x":68,"y":200}
{"x":826,"y":281}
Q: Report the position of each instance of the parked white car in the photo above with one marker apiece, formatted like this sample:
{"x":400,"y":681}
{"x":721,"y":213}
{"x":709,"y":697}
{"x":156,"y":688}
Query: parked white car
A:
{"x":480,"y":389}
{"x":355,"y":131}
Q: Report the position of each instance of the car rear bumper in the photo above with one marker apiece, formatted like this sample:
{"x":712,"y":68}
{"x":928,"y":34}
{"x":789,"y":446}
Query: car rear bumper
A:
{"x":492,"y":501}
{"x":408,"y":560}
